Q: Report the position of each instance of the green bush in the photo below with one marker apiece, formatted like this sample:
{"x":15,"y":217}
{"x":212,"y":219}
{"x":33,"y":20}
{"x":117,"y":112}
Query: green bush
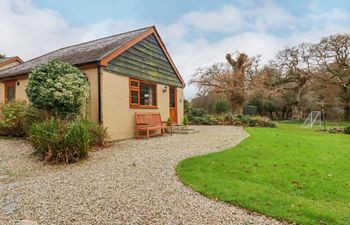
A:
{"x":255,"y":121}
{"x":185,"y":120}
{"x":62,"y":141}
{"x":197,"y":112}
{"x":204,"y":120}
{"x":347,"y":130}
{"x":58,"y":87}
{"x":11,"y":118}
{"x":221,"y":106}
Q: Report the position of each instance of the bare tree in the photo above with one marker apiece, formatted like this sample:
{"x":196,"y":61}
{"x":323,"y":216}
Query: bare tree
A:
{"x":228,"y":79}
{"x":297,"y":69}
{"x":333,"y":56}
{"x":240,"y":66}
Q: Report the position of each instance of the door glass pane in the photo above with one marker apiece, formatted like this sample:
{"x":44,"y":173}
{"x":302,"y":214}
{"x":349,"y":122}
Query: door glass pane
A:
{"x":11,"y":93}
{"x":134,"y":97}
{"x":148,"y":94}
{"x":172,"y":97}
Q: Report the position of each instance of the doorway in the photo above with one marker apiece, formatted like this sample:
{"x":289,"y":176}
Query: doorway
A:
{"x":173,"y":104}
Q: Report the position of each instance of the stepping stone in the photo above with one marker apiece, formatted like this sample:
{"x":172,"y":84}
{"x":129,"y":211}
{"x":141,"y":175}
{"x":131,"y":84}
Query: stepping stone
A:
{"x":27,"y":222}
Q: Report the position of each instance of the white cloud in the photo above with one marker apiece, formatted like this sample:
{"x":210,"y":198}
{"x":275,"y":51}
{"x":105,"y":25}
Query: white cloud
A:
{"x":226,"y":19}
{"x":30,"y":31}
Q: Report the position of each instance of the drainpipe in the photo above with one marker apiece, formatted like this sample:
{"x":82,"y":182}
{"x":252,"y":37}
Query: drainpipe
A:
{"x":99,"y":93}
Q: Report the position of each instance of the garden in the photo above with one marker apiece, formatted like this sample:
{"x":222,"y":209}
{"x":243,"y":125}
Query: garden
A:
{"x":55,"y":119}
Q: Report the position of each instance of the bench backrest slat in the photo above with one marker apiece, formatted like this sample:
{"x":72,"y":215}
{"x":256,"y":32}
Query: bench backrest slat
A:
{"x":149,"y":118}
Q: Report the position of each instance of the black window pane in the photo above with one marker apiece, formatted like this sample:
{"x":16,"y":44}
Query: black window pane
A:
{"x":134,"y":97}
{"x":172,"y":97}
{"x":11,"y":93}
{"x":134,"y":83}
{"x":148,"y":94}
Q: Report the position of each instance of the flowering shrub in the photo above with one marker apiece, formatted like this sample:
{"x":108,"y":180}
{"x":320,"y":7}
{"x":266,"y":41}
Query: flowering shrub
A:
{"x":58,"y":87}
{"x":11,"y":118}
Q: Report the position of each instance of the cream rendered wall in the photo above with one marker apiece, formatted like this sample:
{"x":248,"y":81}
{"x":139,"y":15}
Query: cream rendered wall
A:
{"x":21,"y":89}
{"x":116,"y":112}
{"x":180,"y":105}
{"x":21,"y":85}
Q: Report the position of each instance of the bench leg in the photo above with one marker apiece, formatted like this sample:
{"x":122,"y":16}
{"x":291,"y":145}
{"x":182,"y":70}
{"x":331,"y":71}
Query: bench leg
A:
{"x":171,"y":131}
{"x":147,"y":134}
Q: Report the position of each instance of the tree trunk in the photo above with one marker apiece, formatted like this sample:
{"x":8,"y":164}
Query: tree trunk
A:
{"x":346,"y":100}
{"x":347,"y":109}
{"x":296,"y":108}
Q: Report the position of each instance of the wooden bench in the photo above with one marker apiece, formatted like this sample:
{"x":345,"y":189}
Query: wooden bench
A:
{"x":147,"y":121}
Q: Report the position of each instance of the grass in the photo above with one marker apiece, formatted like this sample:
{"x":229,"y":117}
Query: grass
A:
{"x":287,"y":173}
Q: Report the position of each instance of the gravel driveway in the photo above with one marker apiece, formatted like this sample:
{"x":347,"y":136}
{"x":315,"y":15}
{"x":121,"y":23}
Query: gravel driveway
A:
{"x":133,"y":182}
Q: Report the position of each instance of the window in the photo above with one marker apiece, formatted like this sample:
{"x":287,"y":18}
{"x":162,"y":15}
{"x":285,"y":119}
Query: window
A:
{"x":172,"y":98}
{"x":10,"y":91}
{"x":143,"y":94}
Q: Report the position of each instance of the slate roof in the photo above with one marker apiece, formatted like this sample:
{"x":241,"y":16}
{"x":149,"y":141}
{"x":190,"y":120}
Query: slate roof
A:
{"x":83,"y":53}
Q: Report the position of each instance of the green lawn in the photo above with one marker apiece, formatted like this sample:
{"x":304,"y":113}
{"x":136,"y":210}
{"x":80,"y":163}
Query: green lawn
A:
{"x":288,"y":173}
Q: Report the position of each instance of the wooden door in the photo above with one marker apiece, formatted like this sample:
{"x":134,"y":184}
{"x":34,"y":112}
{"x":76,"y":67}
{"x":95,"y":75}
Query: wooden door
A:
{"x":173,"y":104}
{"x":10,"y":90}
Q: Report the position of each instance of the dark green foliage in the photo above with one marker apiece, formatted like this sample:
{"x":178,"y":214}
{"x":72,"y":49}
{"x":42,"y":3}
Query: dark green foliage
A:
{"x":203,"y":120}
{"x":347,"y":130}
{"x":265,"y":106}
{"x":168,"y":122}
{"x":185,"y":120}
{"x":197,"y":112}
{"x":186,"y":107}
{"x":249,"y":121}
{"x":11,"y":118}
{"x":58,"y":87}
{"x":221,"y":106}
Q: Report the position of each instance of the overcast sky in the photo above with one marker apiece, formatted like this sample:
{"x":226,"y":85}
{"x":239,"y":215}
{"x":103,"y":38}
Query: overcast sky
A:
{"x":196,"y":32}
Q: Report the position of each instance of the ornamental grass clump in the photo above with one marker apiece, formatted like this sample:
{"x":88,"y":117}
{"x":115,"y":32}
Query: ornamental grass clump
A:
{"x":59,"y":141}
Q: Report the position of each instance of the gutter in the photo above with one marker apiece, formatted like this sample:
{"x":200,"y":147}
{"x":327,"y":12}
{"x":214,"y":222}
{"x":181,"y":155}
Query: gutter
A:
{"x":99,"y":93}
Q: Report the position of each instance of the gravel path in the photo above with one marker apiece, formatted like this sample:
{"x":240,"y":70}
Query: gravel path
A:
{"x":133,"y":182}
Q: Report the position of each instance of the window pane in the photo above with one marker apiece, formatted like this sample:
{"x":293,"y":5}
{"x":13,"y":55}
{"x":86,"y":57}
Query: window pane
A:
{"x":11,"y":93}
{"x":172,"y":97}
{"x":134,"y":97}
{"x":148,"y":94}
{"x":134,"y":84}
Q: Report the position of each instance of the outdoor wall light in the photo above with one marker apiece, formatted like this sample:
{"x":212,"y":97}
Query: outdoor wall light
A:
{"x":165,"y":89}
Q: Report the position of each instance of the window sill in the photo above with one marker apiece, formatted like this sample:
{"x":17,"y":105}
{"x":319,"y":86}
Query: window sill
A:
{"x":143,"y":107}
